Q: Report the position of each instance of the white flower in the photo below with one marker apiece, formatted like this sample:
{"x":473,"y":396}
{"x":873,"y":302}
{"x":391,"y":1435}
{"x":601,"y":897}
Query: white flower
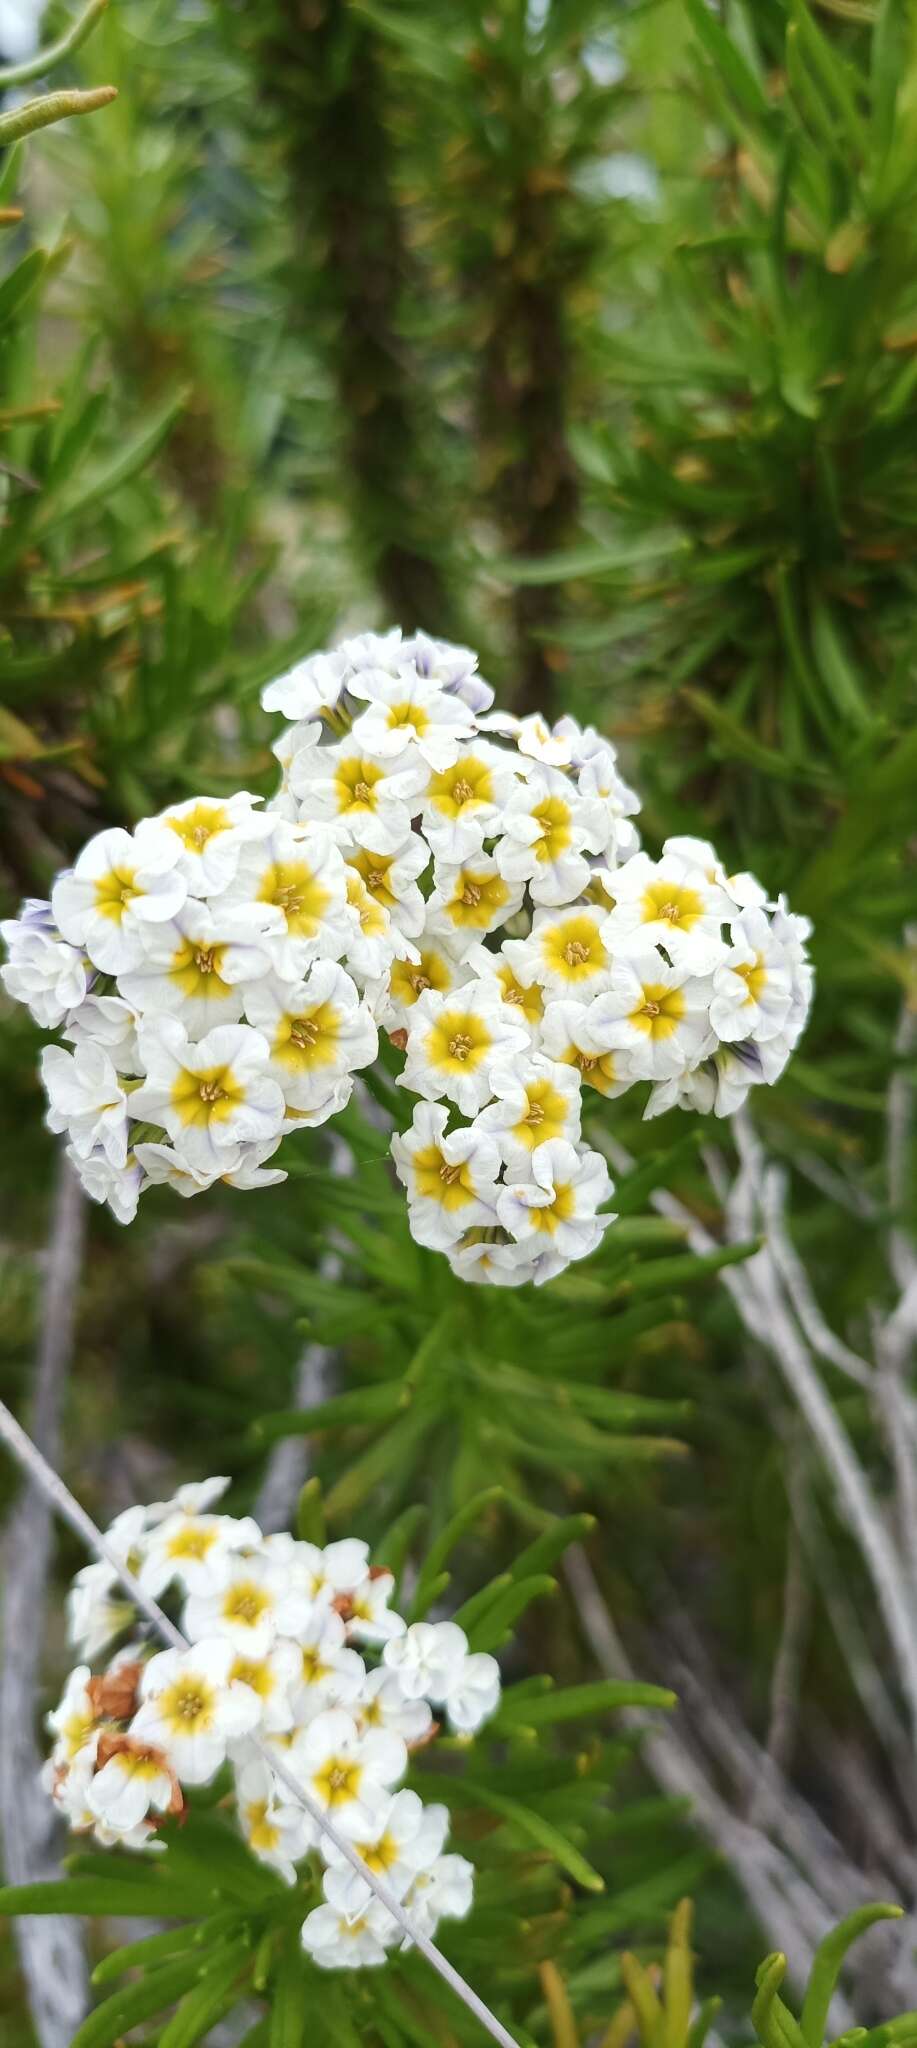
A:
{"x":327,"y":1674}
{"x":251,"y":1173}
{"x":370,"y":1619}
{"x":471,"y":899}
{"x":658,"y":1015}
{"x":277,"y":1829}
{"x":373,"y":940}
{"x":209,"y":1097}
{"x":453,"y":668}
{"x":672,"y":904}
{"x":119,"y":1186}
{"x":327,"y":1574}
{"x":391,"y":879}
{"x":525,"y":998}
{"x":451,"y":1179}
{"x":427,"y":1658}
{"x":255,"y":1602}
{"x":134,"y":1780}
{"x":42,"y":971}
{"x":273,"y":1679}
{"x":753,"y":989}
{"x":464,"y":804}
{"x":196,"y":964}
{"x":296,"y":880}
{"x":211,"y":832}
{"x":73,"y":1721}
{"x":406,"y":710}
{"x":742,"y":888}
{"x":792,"y":933}
{"x":119,"y":886}
{"x":539,"y":741}
{"x":536,"y":1100}
{"x":382,"y":1704}
{"x":567,"y":1038}
{"x":406,"y":1838}
{"x":317,"y":1031}
{"x":556,"y":1205}
{"x":195,"y":1551}
{"x":434,"y":967}
{"x":347,"y":1774}
{"x":86,"y":1099}
{"x":566,"y":952}
{"x":363,"y":802}
{"x":444,"y":1892}
{"x":548,"y":829}
{"x":314,"y":688}
{"x":95,"y":1613}
{"x":487,"y":1264}
{"x":192,"y":1709}
{"x":473,"y":1694}
{"x":162,"y":1166}
{"x":193,"y":1498}
{"x":110,"y":1022}
{"x":336,"y":1939}
{"x":456,"y":1041}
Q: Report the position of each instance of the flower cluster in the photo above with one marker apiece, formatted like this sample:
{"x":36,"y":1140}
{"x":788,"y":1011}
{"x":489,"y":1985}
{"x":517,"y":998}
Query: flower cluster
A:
{"x":468,"y":882}
{"x":293,"y":1650}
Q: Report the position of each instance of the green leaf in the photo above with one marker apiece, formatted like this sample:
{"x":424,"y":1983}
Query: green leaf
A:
{"x":499,"y":1619}
{"x":365,"y":1405}
{"x":289,"y":1997}
{"x":201,"y":2007}
{"x":21,"y":282}
{"x":310,"y":1514}
{"x":93,"y":1895}
{"x":575,"y":1701}
{"x":136,"y":2002}
{"x":533,"y":1827}
{"x":431,"y":1575}
{"x":106,"y":478}
{"x":826,"y":1967}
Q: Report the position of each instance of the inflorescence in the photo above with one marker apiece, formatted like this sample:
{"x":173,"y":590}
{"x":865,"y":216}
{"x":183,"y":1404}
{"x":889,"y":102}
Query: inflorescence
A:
{"x":466,"y":881}
{"x":294,"y":1650}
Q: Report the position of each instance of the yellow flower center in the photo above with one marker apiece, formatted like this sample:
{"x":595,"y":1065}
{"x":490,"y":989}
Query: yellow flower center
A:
{"x":339,"y":1780}
{"x":196,"y":970}
{"x":245,"y":1603}
{"x":559,"y":1210}
{"x":670,"y":904}
{"x":354,"y":784}
{"x":754,"y":975}
{"x":573,"y":949}
{"x":553,"y":816}
{"x":202,"y":1099}
{"x":200,"y":825}
{"x":477,"y":900}
{"x":291,"y":886}
{"x":263,"y":1834}
{"x":659,"y":1011}
{"x":468,"y":782}
{"x":545,"y":1115}
{"x":115,"y":891}
{"x":191,"y":1542}
{"x":256,"y":1676}
{"x":379,"y":1856}
{"x":309,"y":1041}
{"x":188,"y":1705}
{"x":451,"y":1187}
{"x":408,"y":714}
{"x":458,"y":1042}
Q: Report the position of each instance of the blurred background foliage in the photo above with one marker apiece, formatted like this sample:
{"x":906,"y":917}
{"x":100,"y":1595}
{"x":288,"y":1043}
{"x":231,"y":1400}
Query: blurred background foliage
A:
{"x":588,"y":334}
